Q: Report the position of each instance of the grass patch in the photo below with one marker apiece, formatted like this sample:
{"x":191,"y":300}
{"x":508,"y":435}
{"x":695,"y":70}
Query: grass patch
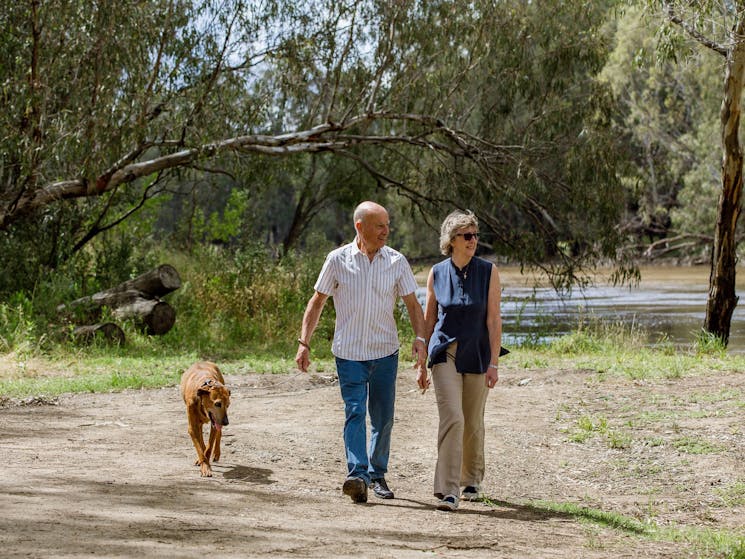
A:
{"x":597,"y":516}
{"x":618,"y":350}
{"x":733,"y":495}
{"x":588,"y":427}
{"x":723,"y":544}
{"x":96,"y":373}
{"x":693,"y":445}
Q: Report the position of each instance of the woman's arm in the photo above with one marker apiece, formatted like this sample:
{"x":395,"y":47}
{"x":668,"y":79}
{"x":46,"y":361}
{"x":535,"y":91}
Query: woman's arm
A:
{"x":494,"y":325}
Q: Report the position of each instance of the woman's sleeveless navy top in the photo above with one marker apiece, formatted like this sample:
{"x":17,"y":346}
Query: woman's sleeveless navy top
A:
{"x":462,"y":297}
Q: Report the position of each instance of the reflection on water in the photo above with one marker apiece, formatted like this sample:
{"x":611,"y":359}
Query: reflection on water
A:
{"x":669,"y":304}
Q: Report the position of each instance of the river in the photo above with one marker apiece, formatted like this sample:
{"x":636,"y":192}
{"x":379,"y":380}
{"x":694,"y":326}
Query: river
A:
{"x":668,"y":305}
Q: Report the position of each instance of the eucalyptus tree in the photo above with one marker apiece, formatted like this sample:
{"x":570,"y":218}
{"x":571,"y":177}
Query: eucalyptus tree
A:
{"x":719,"y":26}
{"x":521,"y":79}
{"x":667,"y":115}
{"x":481,"y":104}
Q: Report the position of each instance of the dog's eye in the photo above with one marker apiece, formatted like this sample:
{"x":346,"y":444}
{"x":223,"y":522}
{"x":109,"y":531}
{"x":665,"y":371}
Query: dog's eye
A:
{"x":218,"y":404}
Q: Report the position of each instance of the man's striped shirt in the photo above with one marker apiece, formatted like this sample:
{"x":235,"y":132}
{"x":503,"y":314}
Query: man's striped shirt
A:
{"x":365,"y":294}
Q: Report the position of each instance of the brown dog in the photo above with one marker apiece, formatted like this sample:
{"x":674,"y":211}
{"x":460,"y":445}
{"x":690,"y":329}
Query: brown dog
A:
{"x":207,"y":400}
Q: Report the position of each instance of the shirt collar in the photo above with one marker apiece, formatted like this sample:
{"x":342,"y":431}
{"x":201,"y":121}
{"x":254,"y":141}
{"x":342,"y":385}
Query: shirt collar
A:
{"x":356,"y":249}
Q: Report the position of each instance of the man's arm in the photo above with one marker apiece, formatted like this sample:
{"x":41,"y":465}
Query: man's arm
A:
{"x":417,"y":323}
{"x":310,"y":321}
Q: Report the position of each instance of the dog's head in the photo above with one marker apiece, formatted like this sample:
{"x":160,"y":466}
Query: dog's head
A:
{"x":215,"y":398}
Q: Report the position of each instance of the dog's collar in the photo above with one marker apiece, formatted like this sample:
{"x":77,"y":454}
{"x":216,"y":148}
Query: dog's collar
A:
{"x":210,"y":382}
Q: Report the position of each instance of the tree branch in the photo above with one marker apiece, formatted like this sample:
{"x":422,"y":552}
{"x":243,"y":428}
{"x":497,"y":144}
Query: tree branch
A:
{"x":326,"y":137}
{"x":693,"y":32}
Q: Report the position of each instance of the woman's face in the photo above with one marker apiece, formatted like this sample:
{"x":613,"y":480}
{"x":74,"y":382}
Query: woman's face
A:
{"x":465,"y":240}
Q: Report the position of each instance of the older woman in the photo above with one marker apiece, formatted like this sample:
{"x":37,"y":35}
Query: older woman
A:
{"x":464,"y":328}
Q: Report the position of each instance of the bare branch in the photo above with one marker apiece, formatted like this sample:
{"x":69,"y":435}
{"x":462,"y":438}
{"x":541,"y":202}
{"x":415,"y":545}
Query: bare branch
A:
{"x":671,"y":244}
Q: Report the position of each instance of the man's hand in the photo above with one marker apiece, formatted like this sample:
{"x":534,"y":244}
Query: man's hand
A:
{"x":302,"y":358}
{"x":419,"y":351}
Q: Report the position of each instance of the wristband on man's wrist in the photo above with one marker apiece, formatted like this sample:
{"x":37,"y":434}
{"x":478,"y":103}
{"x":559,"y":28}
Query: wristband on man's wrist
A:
{"x":303,"y":343}
{"x":421,"y":340}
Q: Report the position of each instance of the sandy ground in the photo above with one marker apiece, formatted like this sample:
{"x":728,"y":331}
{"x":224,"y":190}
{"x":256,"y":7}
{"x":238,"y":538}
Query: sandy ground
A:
{"x":112,"y":475}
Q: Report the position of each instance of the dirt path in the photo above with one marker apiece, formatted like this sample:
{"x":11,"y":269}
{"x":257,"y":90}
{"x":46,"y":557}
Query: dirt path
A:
{"x":111,"y":475}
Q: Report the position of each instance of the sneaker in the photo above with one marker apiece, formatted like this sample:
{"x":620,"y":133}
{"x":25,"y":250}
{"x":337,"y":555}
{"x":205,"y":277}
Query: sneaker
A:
{"x":380,"y":488}
{"x":356,"y":488}
{"x":470,"y":493}
{"x":448,"y":503}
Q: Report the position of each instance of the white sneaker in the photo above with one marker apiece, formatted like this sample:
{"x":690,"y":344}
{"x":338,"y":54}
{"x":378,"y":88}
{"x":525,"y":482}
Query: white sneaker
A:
{"x":471,"y":493}
{"x":448,"y":503}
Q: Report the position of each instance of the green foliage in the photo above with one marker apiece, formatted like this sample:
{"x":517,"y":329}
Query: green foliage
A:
{"x":153,"y":78}
{"x":590,"y":426}
{"x":668,"y":99}
{"x":18,"y":331}
{"x":728,"y":544}
{"x":233,"y":303}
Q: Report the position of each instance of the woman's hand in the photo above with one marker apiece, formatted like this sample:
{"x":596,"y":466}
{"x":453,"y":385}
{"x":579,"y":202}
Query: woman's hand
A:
{"x":491,"y":377}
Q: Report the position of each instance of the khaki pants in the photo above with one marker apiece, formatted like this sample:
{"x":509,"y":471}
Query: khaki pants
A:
{"x":461,"y":399}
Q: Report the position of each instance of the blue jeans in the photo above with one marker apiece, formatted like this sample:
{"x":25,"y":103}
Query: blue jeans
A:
{"x":368,"y":383}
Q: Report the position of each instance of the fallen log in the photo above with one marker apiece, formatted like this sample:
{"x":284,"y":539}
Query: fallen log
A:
{"x":153,"y":316}
{"x":108,"y":331}
{"x":156,"y":283}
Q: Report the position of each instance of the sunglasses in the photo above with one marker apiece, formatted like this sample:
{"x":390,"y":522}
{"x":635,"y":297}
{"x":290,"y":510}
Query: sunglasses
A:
{"x":468,"y":236}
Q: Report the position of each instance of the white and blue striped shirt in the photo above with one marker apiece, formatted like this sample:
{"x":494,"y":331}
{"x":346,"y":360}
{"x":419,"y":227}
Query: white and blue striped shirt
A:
{"x":365,"y":294}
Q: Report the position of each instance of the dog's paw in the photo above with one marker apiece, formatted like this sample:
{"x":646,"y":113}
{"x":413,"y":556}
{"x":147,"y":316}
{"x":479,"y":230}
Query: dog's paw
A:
{"x":206,"y":470}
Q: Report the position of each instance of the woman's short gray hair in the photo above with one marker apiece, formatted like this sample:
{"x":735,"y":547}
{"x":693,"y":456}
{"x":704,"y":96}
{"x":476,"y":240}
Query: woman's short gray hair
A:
{"x":453,"y":223}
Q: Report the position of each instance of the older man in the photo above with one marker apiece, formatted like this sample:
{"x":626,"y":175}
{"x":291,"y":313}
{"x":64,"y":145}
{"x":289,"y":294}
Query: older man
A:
{"x":365,"y":278}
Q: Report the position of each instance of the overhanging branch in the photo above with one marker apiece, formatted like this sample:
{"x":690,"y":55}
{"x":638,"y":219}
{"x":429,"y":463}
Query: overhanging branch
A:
{"x":431,"y":134}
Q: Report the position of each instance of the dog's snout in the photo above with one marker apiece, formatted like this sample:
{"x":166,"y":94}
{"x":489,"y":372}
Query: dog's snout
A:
{"x":225,"y":420}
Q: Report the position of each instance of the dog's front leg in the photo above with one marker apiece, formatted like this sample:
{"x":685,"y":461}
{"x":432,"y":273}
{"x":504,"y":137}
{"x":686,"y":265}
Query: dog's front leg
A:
{"x":195,"y":432}
{"x":213,"y":450}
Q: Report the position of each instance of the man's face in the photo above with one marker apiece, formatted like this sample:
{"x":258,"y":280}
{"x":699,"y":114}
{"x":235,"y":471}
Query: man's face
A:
{"x":373,"y":230}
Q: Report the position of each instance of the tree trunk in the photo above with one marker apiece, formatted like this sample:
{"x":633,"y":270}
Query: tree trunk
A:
{"x":722,"y":298}
{"x":109,"y":331}
{"x":152,"y":315}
